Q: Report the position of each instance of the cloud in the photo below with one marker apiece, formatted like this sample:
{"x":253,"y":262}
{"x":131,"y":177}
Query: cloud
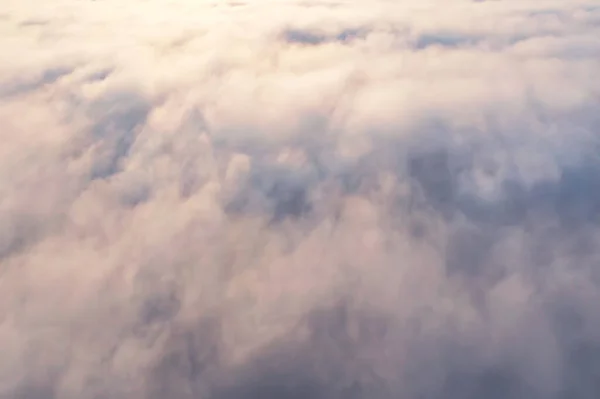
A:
{"x":291,"y":200}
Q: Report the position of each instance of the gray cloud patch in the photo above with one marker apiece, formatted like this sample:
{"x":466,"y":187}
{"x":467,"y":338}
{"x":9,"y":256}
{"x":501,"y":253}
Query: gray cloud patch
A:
{"x":48,"y":77}
{"x":310,"y":38}
{"x":444,"y":40}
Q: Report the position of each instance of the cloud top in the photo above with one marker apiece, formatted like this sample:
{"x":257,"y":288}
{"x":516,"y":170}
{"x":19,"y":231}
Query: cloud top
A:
{"x":329,"y":199}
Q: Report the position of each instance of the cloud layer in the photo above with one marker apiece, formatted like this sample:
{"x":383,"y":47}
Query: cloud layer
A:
{"x":325,"y":199}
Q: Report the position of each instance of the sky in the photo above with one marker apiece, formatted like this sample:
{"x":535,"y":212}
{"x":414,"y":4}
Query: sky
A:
{"x":300,"y":199}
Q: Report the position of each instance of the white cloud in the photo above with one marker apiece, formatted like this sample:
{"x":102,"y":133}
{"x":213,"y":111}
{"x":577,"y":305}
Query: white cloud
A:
{"x":320,"y":199}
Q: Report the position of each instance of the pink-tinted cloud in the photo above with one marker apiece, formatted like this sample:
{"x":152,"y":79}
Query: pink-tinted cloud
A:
{"x":299,"y":199}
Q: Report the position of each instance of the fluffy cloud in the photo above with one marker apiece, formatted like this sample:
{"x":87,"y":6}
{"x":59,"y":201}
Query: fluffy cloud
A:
{"x":299,"y":199}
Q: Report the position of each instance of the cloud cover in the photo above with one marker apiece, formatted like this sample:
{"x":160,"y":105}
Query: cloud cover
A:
{"x":324,"y":199}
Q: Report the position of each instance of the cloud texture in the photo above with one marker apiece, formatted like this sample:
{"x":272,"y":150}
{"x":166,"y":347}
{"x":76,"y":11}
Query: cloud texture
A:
{"x":292,"y":200}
